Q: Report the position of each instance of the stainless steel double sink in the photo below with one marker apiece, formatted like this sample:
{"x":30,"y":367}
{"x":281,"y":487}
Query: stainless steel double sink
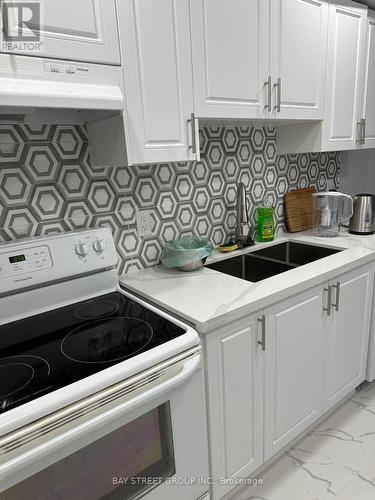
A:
{"x":271,"y":260}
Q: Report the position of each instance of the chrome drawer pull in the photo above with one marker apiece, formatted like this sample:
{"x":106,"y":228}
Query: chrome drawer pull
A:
{"x":268,"y":84}
{"x":278,"y":105}
{"x":262,"y":342}
{"x":337,"y":287}
{"x":329,"y":300}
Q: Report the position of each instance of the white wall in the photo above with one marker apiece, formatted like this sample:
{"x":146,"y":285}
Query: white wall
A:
{"x":357,"y":172}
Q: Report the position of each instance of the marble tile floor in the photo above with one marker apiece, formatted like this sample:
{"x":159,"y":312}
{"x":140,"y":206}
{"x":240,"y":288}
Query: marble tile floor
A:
{"x":335,"y":461}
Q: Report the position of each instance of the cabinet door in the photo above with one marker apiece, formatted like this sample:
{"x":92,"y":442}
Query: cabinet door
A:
{"x":345,"y":74}
{"x":234,"y":370}
{"x":369,"y":94}
{"x":294,"y":362}
{"x":298,"y":57}
{"x":230,"y":57}
{"x":84,"y":30}
{"x":155,"y":44}
{"x":348,"y":334}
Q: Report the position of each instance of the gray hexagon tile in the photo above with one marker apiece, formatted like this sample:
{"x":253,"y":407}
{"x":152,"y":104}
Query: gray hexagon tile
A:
{"x":48,"y":185}
{"x":200,"y":173}
{"x":146,"y":192}
{"x":216,"y":184}
{"x":55,"y":227}
{"x":42,"y":163}
{"x":184,"y":188}
{"x":202,"y":226}
{"x":39,"y":133}
{"x":11,"y":144}
{"x":258,"y":139}
{"x":126,"y":210}
{"x":101,"y":197}
{"x":231,"y":168}
{"x":186,"y":216}
{"x":244,"y":153}
{"x":150,"y":253}
{"x":123,"y":180}
{"x":15,"y":187}
{"x":47,"y":203}
{"x":73,"y":181}
{"x":215,"y":154}
{"x":19,"y":223}
{"x":78,"y":215}
{"x":169,"y":231}
{"x":111,"y":221}
{"x":167,"y":205}
{"x":164,"y":176}
{"x":230,"y":141}
{"x":216,"y":211}
{"x":201,"y":199}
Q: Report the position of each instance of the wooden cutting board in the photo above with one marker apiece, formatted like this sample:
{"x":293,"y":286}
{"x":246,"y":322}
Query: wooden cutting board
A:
{"x":299,"y":209}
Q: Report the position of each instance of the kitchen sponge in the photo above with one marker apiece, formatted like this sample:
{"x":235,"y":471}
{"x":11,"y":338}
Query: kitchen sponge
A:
{"x":228,"y":247}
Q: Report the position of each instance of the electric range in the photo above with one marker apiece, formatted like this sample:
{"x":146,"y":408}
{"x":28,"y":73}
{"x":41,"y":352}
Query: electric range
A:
{"x":87,"y":368}
{"x":62,"y":346}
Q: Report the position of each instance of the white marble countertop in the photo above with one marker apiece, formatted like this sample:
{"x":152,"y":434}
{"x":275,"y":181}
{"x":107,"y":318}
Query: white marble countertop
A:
{"x":208,"y":298}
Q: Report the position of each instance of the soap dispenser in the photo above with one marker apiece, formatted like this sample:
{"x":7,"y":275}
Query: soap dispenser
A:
{"x":266,"y":222}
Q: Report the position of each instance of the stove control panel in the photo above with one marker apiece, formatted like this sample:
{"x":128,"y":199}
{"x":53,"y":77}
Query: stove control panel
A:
{"x":25,"y":261}
{"x":52,"y":258}
{"x":90,"y":246}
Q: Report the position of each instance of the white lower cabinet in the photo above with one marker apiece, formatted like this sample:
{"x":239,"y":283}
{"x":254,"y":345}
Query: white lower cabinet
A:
{"x":294,"y":364}
{"x":235,"y":368}
{"x":347,"y":334}
{"x":272,"y":375}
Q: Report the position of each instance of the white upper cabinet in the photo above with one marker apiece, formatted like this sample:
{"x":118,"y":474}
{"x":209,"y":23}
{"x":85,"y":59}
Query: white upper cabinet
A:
{"x":298,"y":58}
{"x":83,"y":30}
{"x":348,"y":334}
{"x":345,"y":74}
{"x":259,"y":58}
{"x":156,"y":50}
{"x":369,"y":93}
{"x":294,"y":364}
{"x":230,"y":42}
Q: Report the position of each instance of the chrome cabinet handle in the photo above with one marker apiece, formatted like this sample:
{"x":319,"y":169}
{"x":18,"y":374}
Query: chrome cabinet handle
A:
{"x":262,"y":342}
{"x":329,"y":300}
{"x":195,"y":147}
{"x":268,"y":85}
{"x":363,"y":129}
{"x":337,"y":288}
{"x":359,"y":132}
{"x":278,"y":101}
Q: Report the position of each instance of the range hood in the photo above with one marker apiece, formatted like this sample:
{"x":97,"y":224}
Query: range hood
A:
{"x":31,"y":82}
{"x":34,"y":90}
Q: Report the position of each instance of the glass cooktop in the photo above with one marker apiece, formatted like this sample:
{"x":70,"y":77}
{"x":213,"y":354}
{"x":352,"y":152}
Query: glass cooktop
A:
{"x":43,"y":353}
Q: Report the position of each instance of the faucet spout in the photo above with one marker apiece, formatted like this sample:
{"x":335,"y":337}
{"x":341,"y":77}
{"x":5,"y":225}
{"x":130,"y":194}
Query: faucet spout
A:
{"x":242,"y":216}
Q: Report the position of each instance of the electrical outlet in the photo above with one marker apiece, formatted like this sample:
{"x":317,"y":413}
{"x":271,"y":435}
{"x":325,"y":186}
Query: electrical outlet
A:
{"x":144,"y":223}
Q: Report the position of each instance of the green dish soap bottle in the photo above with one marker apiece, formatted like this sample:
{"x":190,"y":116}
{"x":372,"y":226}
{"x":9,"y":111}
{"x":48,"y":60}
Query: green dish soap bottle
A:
{"x":266,"y":223}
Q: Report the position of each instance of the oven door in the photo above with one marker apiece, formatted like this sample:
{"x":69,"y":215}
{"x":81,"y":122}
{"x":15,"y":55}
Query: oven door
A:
{"x":144,"y":437}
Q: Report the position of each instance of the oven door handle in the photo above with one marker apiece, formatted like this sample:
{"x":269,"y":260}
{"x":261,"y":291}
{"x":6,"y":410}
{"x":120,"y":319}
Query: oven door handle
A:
{"x":93,"y":417}
{"x":188,"y":369}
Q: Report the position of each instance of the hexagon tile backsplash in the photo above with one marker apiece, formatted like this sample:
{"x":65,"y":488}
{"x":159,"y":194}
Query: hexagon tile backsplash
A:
{"x":47,"y":185}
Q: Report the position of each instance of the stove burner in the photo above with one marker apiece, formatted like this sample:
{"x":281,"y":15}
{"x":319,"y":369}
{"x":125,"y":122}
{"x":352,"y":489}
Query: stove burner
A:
{"x":107,"y":340}
{"x":96,"y":309}
{"x":17,"y":375}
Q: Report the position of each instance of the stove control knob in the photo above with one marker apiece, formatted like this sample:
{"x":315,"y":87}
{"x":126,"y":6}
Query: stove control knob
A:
{"x":82,"y":249}
{"x":99,"y":245}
